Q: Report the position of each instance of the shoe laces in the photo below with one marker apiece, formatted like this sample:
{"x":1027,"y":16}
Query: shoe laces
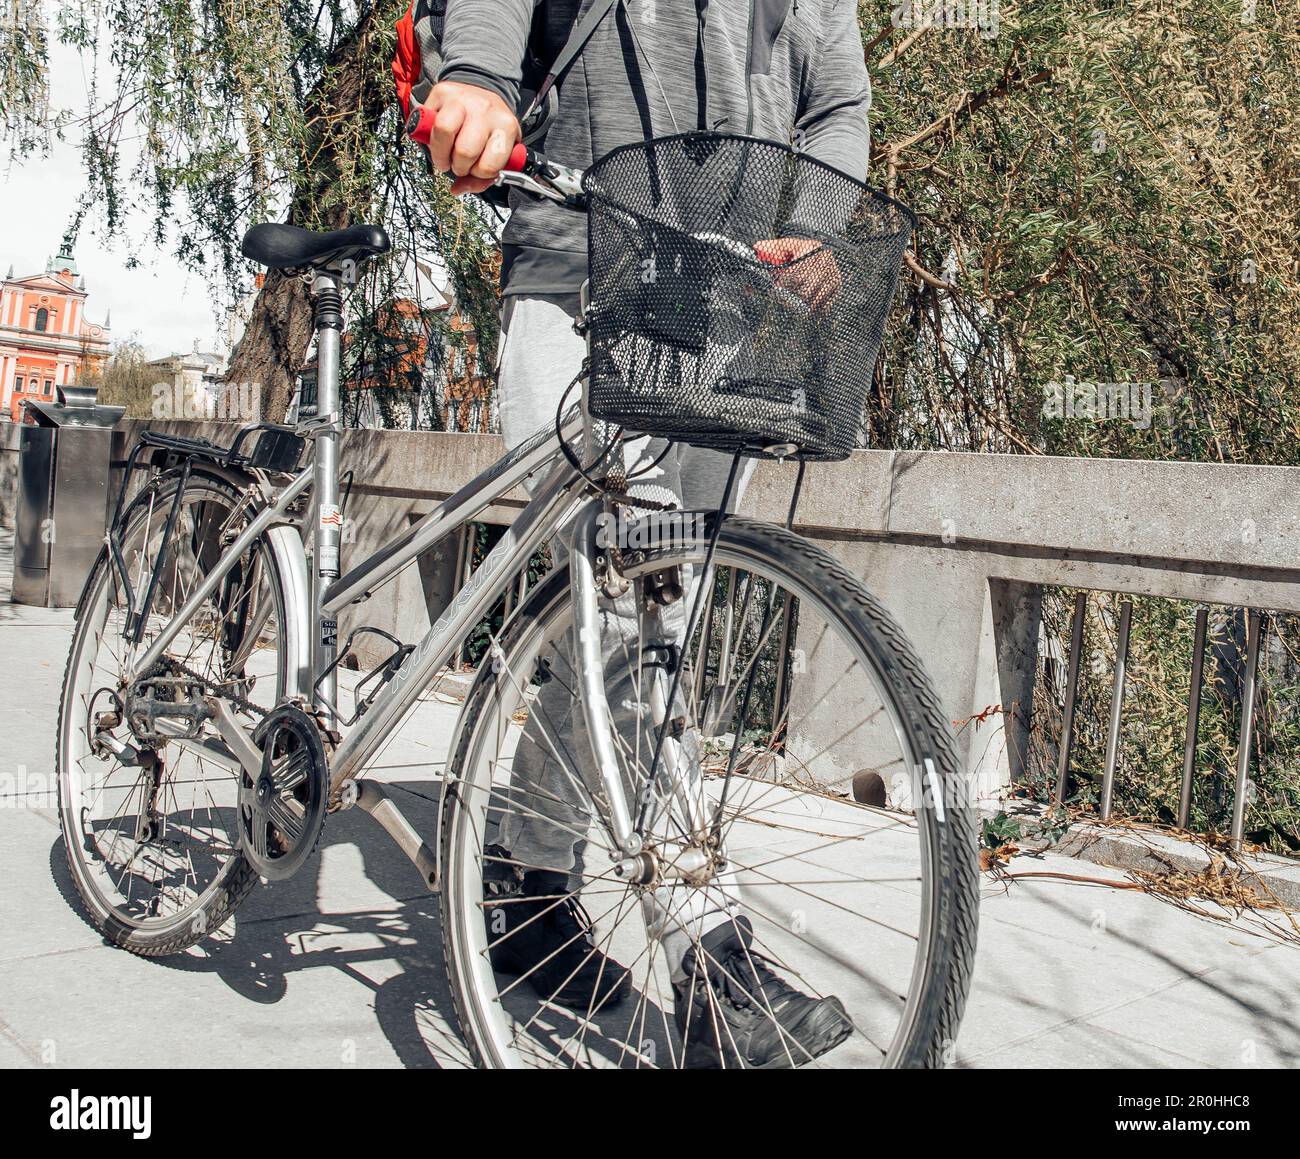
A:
{"x":745,"y":978}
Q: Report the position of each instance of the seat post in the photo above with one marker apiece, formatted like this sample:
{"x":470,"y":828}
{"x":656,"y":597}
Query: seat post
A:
{"x":327,"y":521}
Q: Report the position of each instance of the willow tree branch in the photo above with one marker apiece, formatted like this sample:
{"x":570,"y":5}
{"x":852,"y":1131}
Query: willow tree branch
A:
{"x":964,"y":108}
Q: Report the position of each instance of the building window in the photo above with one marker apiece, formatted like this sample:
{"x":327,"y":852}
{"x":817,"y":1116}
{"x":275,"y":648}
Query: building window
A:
{"x":49,"y":388}
{"x":42,"y":318}
{"x":18,"y":384}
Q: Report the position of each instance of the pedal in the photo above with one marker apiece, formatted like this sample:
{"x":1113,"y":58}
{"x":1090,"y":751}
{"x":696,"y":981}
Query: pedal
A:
{"x":282,"y":810}
{"x":166,"y":705}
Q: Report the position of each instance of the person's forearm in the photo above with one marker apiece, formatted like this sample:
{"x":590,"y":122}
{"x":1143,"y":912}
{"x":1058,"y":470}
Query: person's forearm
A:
{"x":483,"y":43}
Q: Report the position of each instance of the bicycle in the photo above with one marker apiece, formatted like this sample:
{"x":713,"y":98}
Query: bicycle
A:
{"x":203,"y":737}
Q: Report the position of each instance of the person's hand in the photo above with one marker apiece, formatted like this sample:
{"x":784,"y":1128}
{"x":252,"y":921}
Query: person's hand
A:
{"x":473,"y":133}
{"x":814,"y":276}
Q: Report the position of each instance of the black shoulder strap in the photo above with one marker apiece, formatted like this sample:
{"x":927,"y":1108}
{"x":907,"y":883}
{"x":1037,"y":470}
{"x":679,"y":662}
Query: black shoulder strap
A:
{"x":583,"y":27}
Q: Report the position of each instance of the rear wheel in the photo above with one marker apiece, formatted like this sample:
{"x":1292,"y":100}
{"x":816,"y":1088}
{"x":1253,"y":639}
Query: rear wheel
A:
{"x":148,"y":820}
{"x":817,"y":791}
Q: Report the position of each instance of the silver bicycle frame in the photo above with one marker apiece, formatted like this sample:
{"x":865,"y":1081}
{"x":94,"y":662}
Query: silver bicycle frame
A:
{"x":312,"y":607}
{"x":315,"y":618}
{"x":549,"y":509}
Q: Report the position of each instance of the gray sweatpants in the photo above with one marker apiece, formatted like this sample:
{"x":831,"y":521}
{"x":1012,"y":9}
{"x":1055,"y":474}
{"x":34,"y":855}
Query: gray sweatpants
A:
{"x":539,"y":356}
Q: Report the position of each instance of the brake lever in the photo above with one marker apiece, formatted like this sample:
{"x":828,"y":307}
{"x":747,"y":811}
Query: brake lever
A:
{"x":529,"y":184}
{"x":555,"y":182}
{"x":527,"y":170}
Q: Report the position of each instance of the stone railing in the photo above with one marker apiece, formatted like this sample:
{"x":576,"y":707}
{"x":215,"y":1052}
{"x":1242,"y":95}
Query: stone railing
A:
{"x":958,"y":547}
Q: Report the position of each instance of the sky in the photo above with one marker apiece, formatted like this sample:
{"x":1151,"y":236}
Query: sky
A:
{"x":158,"y":303}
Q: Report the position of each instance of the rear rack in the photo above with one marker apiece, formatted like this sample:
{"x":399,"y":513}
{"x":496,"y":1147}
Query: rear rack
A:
{"x":280,"y":452}
{"x":278,"y":449}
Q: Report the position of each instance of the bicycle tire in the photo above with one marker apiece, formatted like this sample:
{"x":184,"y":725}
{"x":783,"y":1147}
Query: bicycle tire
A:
{"x":944,"y":975}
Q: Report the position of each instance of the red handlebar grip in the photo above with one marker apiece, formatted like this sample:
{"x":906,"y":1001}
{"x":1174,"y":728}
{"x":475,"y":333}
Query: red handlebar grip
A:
{"x":419,"y":125}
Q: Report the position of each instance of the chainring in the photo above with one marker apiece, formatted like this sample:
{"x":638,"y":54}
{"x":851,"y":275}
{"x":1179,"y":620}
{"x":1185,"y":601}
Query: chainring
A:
{"x":282,"y":812}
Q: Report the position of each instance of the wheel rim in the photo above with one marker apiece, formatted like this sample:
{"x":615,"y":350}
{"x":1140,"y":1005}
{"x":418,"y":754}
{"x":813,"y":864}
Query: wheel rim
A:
{"x":150,"y":851}
{"x":784,"y":811}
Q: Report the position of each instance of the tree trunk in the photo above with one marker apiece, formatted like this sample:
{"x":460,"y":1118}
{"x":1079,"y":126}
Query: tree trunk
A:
{"x":274,"y":344}
{"x":344,"y":106}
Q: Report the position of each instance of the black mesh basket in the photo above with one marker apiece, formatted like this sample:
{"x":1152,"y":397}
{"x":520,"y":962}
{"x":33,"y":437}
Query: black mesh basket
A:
{"x":697,"y":337}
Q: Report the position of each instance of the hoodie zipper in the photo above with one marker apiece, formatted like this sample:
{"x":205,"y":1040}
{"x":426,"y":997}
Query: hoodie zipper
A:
{"x":701,"y":41}
{"x":749,"y":73}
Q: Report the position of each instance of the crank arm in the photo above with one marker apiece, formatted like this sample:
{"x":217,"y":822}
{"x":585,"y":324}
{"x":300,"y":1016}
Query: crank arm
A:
{"x":244,"y":751}
{"x":373,"y":798}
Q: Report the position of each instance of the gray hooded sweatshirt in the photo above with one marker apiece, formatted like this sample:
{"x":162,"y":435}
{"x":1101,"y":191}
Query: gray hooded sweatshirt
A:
{"x":788,"y":70}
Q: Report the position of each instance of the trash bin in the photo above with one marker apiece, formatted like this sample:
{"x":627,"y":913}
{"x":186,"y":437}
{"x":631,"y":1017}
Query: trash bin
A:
{"x":63,"y":496}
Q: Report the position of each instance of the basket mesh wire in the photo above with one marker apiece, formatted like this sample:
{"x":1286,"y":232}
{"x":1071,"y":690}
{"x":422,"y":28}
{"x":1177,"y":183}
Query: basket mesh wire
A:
{"x":695,"y":337}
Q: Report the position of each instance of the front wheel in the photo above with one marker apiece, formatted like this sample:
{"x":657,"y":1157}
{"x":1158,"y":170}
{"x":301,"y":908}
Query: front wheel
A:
{"x":809,"y":844}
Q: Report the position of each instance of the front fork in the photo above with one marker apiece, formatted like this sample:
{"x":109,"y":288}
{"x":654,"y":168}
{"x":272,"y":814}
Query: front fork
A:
{"x":591,"y":571}
{"x":591,"y":673}
{"x":589,"y":560}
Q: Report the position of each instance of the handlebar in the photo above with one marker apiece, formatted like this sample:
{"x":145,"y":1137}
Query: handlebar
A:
{"x":526,"y":168}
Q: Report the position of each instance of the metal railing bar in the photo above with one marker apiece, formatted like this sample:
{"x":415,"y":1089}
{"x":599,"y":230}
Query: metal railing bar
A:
{"x":1071,"y":693}
{"x":1116,"y":708}
{"x":1193,"y":718}
{"x":1253,"y":622}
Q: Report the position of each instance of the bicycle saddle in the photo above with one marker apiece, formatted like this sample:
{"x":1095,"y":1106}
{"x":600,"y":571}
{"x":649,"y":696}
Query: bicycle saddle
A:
{"x":290,"y":246}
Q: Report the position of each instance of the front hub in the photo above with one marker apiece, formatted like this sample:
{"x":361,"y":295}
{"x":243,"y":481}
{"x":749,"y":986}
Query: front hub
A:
{"x":670,"y":862}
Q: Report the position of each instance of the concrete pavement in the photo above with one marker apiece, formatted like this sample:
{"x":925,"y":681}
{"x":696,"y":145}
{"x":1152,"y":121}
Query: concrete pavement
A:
{"x":340,"y":966}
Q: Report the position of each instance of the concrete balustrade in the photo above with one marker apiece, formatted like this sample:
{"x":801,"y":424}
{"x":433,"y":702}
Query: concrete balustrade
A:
{"x":957,"y":546}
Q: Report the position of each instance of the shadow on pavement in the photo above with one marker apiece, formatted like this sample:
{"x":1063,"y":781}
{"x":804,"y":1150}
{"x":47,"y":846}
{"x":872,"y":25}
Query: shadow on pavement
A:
{"x":393,"y":948}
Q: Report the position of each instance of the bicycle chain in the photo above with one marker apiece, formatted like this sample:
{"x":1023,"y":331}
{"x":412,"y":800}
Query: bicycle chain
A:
{"x":179,"y":669}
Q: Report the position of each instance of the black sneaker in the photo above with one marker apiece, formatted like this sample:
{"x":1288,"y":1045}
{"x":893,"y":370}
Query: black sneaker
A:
{"x":538,"y":931}
{"x":502,"y":878}
{"x":734,"y":1011}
